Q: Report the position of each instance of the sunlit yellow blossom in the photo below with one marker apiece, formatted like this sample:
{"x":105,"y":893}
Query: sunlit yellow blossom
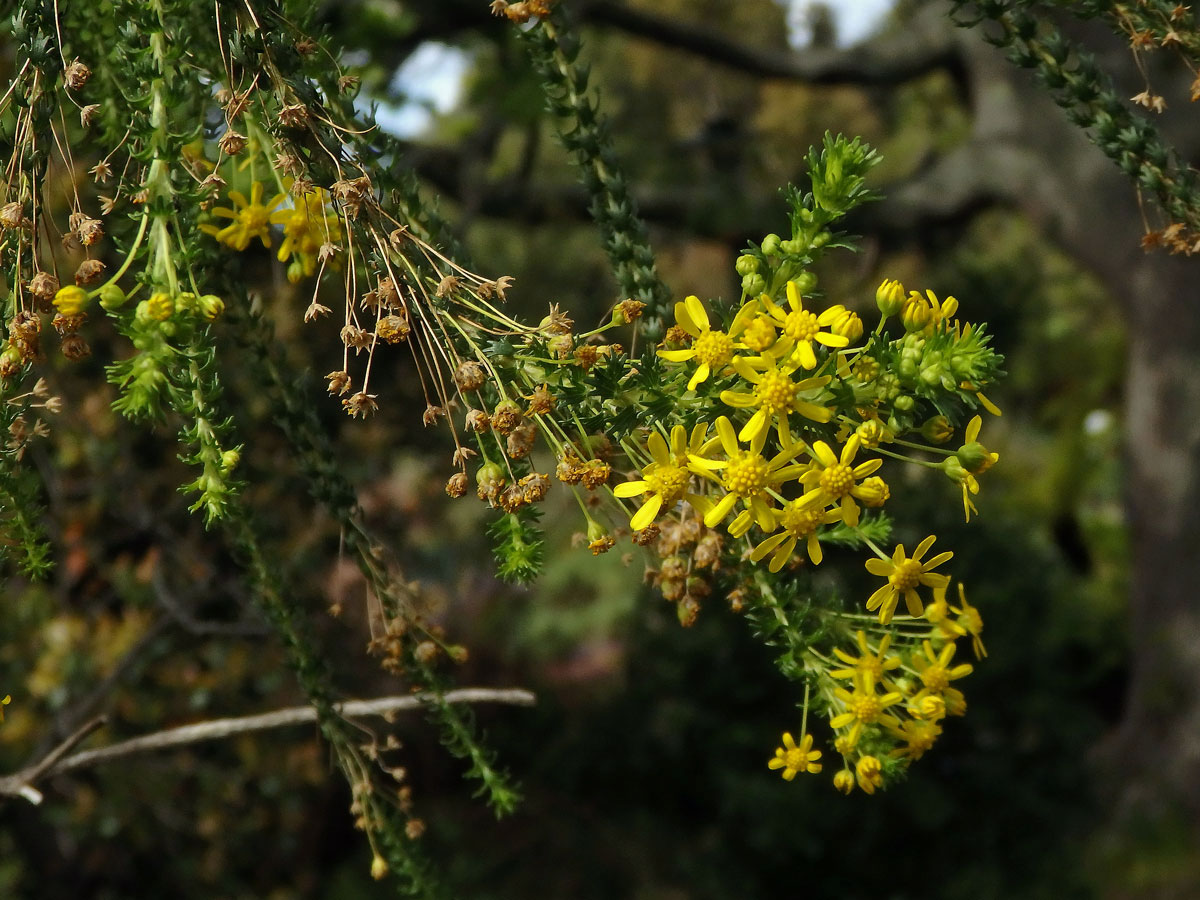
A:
{"x":970,"y":621}
{"x":870,"y":774}
{"x":934,"y":668}
{"x":666,"y":478}
{"x":759,"y":333}
{"x":918,"y":736}
{"x":745,"y":475}
{"x":904,"y":575}
{"x":864,"y":706}
{"x":873,"y":664}
{"x":801,"y":328}
{"x":774,"y":396}
{"x":835,"y":480}
{"x":307,"y":225}
{"x":797,"y":524}
{"x":952,"y":700}
{"x":794,"y":758}
{"x":251,"y":219}
{"x":712,"y":349}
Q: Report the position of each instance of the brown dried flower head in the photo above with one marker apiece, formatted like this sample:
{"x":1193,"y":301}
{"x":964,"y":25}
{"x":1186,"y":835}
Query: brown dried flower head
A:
{"x":339,"y":382}
{"x":12,"y":215}
{"x":541,"y":401}
{"x":470,"y":375}
{"x":76,"y":75}
{"x":447,"y":286}
{"x":75,"y":348}
{"x":360,"y":404}
{"x":521,"y":440}
{"x":535,"y":487}
{"x":87,"y":114}
{"x":506,"y":416}
{"x":457,"y":485}
{"x":628,"y":310}
{"x":477,"y":420}
{"x":393,"y":329}
{"x":595,"y":473}
{"x":43,"y":286}
{"x":65,"y":325}
{"x":294,"y":115}
{"x":232,"y":143}
{"x":89,"y":272}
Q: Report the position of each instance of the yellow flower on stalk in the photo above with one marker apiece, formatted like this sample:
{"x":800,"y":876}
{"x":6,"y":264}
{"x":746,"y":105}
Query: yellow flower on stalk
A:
{"x":876,"y":664}
{"x":794,"y":758}
{"x":833,"y":479}
{"x":307,"y":225}
{"x":970,"y":621}
{"x":773,"y":397}
{"x":864,"y":706}
{"x":870,"y":774}
{"x":3,"y":703}
{"x":711,"y":348}
{"x":251,"y":218}
{"x":666,"y":478}
{"x":801,"y":328}
{"x":935,"y":670}
{"x":745,"y":475}
{"x":797,"y":524}
{"x":918,"y":736}
{"x":904,"y":575}
{"x":939,"y":310}
{"x":975,"y":457}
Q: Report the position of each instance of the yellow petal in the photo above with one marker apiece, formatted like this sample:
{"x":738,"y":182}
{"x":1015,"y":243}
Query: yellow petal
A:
{"x":646,"y":514}
{"x":630,"y":489}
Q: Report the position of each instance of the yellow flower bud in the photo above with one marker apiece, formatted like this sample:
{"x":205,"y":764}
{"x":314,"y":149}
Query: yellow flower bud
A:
{"x":873,"y":491}
{"x":112,"y":297}
{"x":848,"y":325}
{"x":844,"y":781}
{"x":937,"y":430}
{"x":379,"y":868}
{"x":160,"y":306}
{"x":916,"y":313}
{"x":71,"y":300}
{"x":211,"y":307}
{"x":889,"y":297}
{"x":870,"y":773}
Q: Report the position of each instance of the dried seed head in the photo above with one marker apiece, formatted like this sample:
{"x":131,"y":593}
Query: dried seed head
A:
{"x":447,"y":286}
{"x":541,"y":401}
{"x":360,"y":404}
{"x":511,"y":499}
{"x":470,"y":375}
{"x":89,"y":272}
{"x":646,"y":536}
{"x":76,"y":75}
{"x":477,"y":420}
{"x":628,"y":310}
{"x":355,"y":337}
{"x":306,"y":46}
{"x":595,"y":473}
{"x":290,"y":164}
{"x":43,"y":286}
{"x":521,"y":440}
{"x":12,"y":215}
{"x":463,"y":455}
{"x":232,"y":143}
{"x":557,"y":322}
{"x":506,"y":416}
{"x":388,"y":295}
{"x":347,"y":83}
{"x":65,"y":325}
{"x":212,"y":184}
{"x":535,"y":487}
{"x":339,"y":382}
{"x":432,"y":414}
{"x":75,"y":348}
{"x":102,"y":171}
{"x":457,"y":485}
{"x":294,"y":115}
{"x":489,"y":481}
{"x":570,"y":469}
{"x":87,"y":115}
{"x":586,"y":356}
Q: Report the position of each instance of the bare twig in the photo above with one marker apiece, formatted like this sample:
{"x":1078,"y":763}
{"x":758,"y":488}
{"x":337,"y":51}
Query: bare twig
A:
{"x":21,"y":784}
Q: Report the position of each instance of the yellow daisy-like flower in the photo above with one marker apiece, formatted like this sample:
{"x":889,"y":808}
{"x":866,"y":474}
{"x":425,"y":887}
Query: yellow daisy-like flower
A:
{"x":873,"y":664}
{"x":801,"y":328}
{"x":774,"y":396}
{"x":794,"y":758}
{"x":833,"y":479}
{"x":970,"y":621}
{"x":935,"y":670}
{"x":666,"y":478}
{"x":307,"y":225}
{"x":870,"y":774}
{"x":904,"y":575}
{"x":251,"y":219}
{"x":864,"y":706}
{"x":711,"y":348}
{"x":745,"y":475}
{"x":798,"y":523}
{"x":918,"y":736}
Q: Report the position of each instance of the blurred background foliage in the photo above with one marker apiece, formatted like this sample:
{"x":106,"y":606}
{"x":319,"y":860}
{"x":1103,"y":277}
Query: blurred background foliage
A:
{"x":643,"y":764}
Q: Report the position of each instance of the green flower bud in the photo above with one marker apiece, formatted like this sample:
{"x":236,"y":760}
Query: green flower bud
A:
{"x":805,"y":282}
{"x":974,"y":457}
{"x":112,"y":297}
{"x":953,"y":469}
{"x":770,"y":244}
{"x":754,"y":284}
{"x":229,"y":460}
{"x":821,"y":240}
{"x":904,"y":403}
{"x":793,"y":247}
{"x":746,"y":265}
{"x":185,"y":301}
{"x":937,"y":430}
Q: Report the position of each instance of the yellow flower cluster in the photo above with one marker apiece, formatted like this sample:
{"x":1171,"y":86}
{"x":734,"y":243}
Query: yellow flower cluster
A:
{"x":789,"y":414}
